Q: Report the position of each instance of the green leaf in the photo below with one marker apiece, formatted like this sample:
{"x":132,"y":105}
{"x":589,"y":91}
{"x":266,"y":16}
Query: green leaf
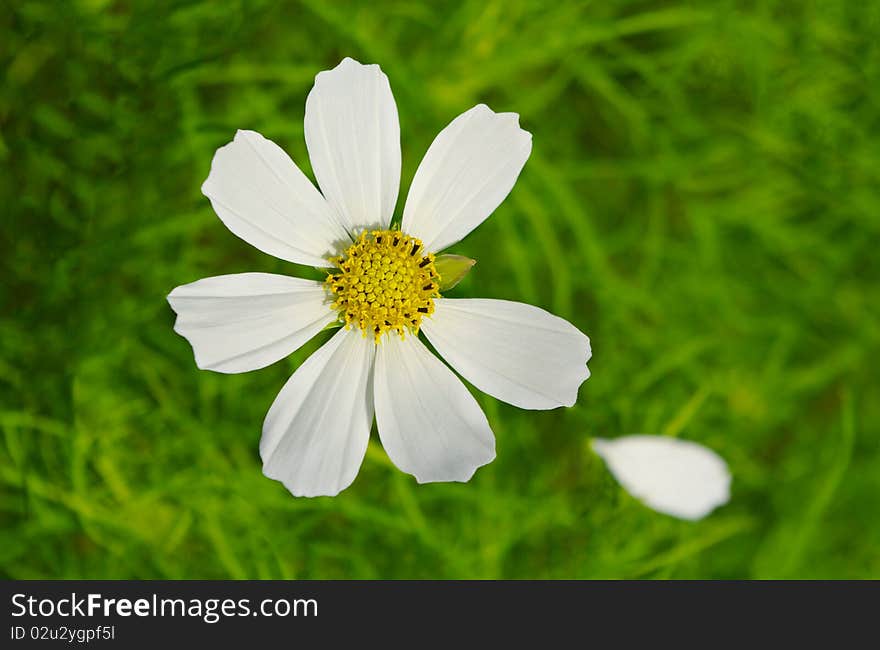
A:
{"x":452,"y":269}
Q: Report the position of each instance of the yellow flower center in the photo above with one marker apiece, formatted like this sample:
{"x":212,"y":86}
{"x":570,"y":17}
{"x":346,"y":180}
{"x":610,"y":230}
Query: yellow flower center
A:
{"x":384,"y":282}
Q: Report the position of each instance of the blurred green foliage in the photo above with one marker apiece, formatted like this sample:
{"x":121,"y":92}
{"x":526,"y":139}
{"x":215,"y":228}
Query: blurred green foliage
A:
{"x":703,"y":200}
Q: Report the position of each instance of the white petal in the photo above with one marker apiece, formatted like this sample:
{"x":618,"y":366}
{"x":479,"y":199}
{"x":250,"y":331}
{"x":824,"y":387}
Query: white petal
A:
{"x":264,"y":198}
{"x":316,"y":432}
{"x":430,"y":425}
{"x":468,"y":171}
{"x":353,"y":137}
{"x":245,"y":321}
{"x":676,"y":477}
{"x":518,"y":353}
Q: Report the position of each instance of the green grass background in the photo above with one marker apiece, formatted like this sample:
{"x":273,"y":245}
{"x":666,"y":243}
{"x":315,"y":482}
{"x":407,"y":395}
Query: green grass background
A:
{"x":702,"y":200}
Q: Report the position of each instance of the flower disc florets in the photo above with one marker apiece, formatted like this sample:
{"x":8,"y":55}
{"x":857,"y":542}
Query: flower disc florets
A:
{"x":384,"y":282}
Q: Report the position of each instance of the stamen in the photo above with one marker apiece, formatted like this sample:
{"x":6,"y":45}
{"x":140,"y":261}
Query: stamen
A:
{"x":383,"y":285}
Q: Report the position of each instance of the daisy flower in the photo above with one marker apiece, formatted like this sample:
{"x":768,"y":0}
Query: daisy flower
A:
{"x":382,"y":287}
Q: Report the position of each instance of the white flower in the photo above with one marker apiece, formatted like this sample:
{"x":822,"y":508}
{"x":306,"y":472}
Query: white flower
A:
{"x":675,"y":477}
{"x":382,"y":286}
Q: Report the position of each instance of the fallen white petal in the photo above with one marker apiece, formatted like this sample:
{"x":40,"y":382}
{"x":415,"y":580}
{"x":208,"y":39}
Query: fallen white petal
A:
{"x":467,"y":172}
{"x":515,"y":352}
{"x":353,"y":137}
{"x":430,"y":425}
{"x":264,"y":198}
{"x":676,"y":477}
{"x":316,"y":432}
{"x":241,"y":322}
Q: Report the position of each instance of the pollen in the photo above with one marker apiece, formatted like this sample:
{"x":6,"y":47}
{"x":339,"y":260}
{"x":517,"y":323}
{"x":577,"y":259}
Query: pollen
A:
{"x":384,"y":281}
